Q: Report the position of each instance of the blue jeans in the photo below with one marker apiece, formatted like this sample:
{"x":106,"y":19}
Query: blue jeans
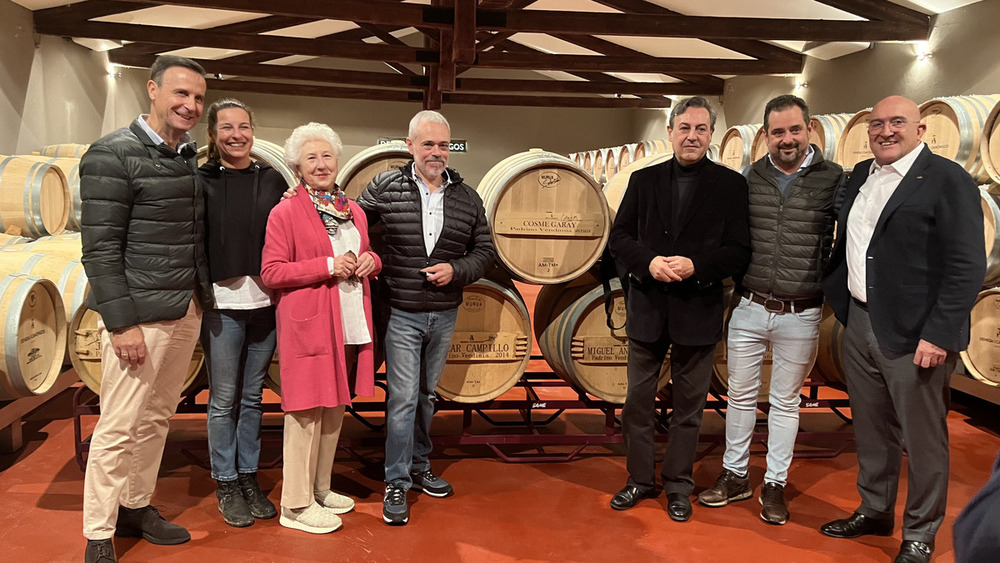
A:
{"x":793,"y":338}
{"x":238,"y":347}
{"x":416,"y":349}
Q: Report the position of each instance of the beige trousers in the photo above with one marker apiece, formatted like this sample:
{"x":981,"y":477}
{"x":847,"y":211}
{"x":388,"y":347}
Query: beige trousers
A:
{"x":136,"y":405}
{"x":309,"y":447}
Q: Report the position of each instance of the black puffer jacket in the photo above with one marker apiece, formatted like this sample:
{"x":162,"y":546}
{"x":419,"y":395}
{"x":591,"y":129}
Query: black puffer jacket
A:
{"x":142,"y":230}
{"x":792,"y":237}
{"x":393,"y":198}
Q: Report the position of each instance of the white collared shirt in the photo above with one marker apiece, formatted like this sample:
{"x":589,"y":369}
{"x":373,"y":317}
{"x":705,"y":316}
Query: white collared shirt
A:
{"x":881,"y":183}
{"x":156,"y":138}
{"x":432,"y":210}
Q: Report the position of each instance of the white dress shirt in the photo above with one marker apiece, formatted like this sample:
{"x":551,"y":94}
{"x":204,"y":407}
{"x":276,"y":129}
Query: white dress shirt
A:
{"x":432,"y":211}
{"x":876,"y":191}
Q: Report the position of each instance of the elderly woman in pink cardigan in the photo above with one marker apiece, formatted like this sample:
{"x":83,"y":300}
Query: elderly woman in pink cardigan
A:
{"x":318,"y":261}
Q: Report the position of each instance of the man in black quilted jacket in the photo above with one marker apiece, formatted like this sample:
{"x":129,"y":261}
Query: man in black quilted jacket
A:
{"x":436,"y":241}
{"x":143,"y":251}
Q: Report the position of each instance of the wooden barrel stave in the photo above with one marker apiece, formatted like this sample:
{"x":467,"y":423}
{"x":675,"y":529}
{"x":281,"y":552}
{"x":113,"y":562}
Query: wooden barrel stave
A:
{"x":982,"y":357}
{"x":735,"y":150}
{"x":853,"y":147}
{"x":826,"y":131}
{"x":954,"y":128}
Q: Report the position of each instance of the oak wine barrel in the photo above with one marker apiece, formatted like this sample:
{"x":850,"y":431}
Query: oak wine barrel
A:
{"x":491,"y":345}
{"x":71,"y":169}
{"x":982,"y":357}
{"x":853,"y":147}
{"x":829,"y":366}
{"x":34,"y":197}
{"x":954,"y":128}
{"x":615,"y":189}
{"x":735,"y":149}
{"x":85,"y":353}
{"x":989,"y":144}
{"x":358,"y":171}
{"x":990,"y":202}
{"x":575,"y":339}
{"x":826,"y":131}
{"x":33,"y":334}
{"x":64,"y":150}
{"x":549,"y":219}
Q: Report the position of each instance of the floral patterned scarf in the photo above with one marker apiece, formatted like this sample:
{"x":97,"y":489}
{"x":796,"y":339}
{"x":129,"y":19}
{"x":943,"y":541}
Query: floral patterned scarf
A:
{"x":332,"y":207}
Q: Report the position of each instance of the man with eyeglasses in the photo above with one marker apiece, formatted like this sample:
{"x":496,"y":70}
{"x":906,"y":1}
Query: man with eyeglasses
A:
{"x":908,"y":264}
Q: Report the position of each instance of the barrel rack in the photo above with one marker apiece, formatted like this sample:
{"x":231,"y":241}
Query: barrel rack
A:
{"x":11,"y":412}
{"x":534,"y":413}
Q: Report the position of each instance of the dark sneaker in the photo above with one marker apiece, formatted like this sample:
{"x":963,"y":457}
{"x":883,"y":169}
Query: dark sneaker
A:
{"x":232,"y":505}
{"x":772,"y":499}
{"x":431,"y":484}
{"x":729,"y":487}
{"x":395,"y":511}
{"x":100,"y":551}
{"x":147,"y":523}
{"x":260,"y":506}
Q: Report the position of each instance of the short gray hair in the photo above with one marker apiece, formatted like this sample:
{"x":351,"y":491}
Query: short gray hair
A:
{"x":426,"y":116}
{"x":692,"y":102}
{"x":311,"y":131}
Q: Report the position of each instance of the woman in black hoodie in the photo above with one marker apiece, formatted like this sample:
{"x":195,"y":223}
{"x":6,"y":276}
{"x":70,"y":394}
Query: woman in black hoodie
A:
{"x":239,"y":334}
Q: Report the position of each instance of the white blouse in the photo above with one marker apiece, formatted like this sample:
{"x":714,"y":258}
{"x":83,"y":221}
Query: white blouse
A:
{"x":352,"y":304}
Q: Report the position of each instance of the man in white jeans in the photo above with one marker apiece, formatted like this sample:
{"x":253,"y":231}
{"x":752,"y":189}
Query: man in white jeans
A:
{"x":792,"y":198}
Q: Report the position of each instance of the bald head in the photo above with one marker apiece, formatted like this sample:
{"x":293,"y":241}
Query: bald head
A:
{"x":894,"y":129}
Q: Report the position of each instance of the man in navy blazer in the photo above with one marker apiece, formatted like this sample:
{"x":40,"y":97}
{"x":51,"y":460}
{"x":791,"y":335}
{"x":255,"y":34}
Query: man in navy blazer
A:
{"x":681,"y":229}
{"x":906,"y":269}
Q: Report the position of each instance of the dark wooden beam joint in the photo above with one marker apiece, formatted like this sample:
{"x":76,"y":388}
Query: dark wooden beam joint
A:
{"x":463,"y":46}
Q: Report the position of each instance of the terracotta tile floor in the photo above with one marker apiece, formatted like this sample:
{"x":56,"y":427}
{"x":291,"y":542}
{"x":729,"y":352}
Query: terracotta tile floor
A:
{"x":501,"y":512}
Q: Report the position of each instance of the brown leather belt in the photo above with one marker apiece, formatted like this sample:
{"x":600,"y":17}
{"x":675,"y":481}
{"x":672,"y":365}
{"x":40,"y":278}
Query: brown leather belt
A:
{"x":774,"y":305}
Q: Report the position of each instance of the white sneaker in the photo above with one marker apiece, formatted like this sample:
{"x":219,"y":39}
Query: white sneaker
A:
{"x":334,"y":502}
{"x":313,"y":519}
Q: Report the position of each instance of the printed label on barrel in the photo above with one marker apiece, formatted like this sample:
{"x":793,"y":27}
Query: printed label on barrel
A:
{"x":604,"y":350}
{"x":543,"y":224}
{"x":486,"y":346}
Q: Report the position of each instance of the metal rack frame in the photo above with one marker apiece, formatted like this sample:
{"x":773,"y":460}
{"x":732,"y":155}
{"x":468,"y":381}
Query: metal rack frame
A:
{"x":535,"y":413}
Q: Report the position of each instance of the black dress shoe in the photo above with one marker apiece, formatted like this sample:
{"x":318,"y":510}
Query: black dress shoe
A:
{"x":629,"y":497}
{"x":914,"y":552}
{"x":858,"y":525}
{"x":678,"y":507}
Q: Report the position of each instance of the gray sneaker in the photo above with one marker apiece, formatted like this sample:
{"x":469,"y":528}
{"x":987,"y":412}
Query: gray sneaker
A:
{"x":395,"y":511}
{"x":729,"y":487}
{"x":772,"y":500}
{"x":431,"y":484}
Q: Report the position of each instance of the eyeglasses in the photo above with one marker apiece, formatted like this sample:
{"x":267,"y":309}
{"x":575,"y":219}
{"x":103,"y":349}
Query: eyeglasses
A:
{"x":895,"y":124}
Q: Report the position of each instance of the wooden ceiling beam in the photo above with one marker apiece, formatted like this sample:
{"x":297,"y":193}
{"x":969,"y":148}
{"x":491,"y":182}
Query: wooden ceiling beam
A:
{"x":662,"y":65}
{"x":83,"y":11}
{"x":258,"y":25}
{"x":880,"y":10}
{"x":280,"y":72}
{"x":555,"y":101}
{"x":315,"y":90}
{"x":545,"y":21}
{"x":704,"y":27}
{"x":756,"y":49}
{"x":463,"y":47}
{"x":583,"y":87}
{"x":242,"y":41}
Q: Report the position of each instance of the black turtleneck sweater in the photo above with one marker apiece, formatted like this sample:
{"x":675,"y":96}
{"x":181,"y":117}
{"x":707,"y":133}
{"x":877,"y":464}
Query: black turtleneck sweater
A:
{"x":234,"y":219}
{"x":685,"y":181}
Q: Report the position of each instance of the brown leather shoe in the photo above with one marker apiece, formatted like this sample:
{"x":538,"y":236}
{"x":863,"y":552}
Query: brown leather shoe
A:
{"x":729,"y":487}
{"x":858,"y":525}
{"x":772,"y":500}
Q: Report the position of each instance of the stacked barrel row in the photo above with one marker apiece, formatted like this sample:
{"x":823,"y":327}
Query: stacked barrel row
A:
{"x":961,"y":128}
{"x":603,"y":164}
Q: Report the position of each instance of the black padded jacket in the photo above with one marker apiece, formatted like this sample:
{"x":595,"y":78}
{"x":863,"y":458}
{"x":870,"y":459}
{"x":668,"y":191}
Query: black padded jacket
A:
{"x":792,"y":237}
{"x":142,"y":230}
{"x":393,"y":199}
